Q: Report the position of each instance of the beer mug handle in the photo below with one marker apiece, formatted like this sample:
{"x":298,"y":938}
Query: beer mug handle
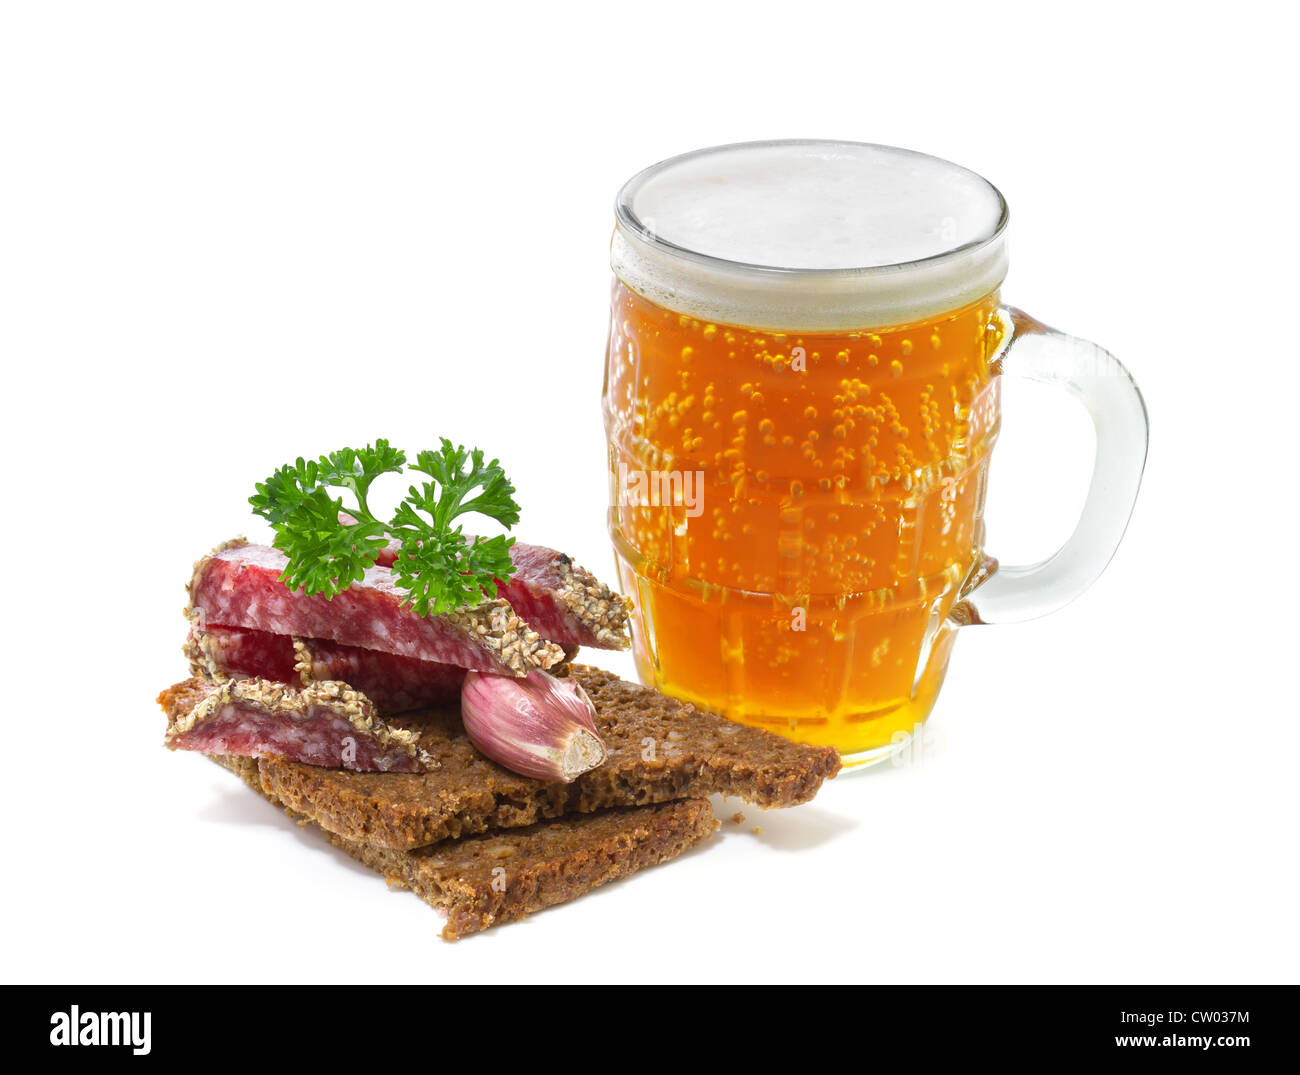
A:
{"x":1095,"y":376}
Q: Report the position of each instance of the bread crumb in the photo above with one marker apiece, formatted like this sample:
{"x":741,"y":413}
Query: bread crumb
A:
{"x":737,"y":818}
{"x":758,"y":831}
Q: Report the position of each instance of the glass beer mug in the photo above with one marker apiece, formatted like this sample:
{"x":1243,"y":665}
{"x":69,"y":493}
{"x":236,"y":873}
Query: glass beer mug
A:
{"x":801,"y":400}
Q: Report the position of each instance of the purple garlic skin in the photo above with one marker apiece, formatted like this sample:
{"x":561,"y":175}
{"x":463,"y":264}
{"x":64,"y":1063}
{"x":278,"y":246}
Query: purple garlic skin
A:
{"x":535,"y":725}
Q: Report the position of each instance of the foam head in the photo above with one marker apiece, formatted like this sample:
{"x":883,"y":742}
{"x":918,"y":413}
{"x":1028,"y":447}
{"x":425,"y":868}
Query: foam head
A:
{"x":809,"y":235}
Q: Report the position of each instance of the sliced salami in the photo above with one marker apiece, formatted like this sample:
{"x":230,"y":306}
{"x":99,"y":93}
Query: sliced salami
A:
{"x":323,"y":724}
{"x":222,"y":653}
{"x":394,"y":684}
{"x":557,"y":598}
{"x":238,"y":585}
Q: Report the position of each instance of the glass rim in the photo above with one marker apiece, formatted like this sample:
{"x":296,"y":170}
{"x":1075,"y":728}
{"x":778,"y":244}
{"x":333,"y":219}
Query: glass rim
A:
{"x":626,"y":218}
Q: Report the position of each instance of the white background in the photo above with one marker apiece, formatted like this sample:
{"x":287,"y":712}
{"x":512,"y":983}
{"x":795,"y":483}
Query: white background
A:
{"x":235,"y":233}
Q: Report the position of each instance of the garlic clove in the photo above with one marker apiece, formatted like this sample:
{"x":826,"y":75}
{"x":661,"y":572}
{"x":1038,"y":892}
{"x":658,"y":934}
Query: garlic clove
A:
{"x":535,"y":725}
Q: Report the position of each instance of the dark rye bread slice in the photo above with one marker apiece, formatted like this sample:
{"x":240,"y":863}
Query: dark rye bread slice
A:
{"x":504,"y":876}
{"x":659,"y":749}
{"x":540,"y":865}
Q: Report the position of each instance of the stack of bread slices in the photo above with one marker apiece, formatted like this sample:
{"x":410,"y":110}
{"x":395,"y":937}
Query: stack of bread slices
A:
{"x":346,"y":712}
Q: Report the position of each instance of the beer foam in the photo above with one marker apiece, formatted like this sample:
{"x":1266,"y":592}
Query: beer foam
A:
{"x":810,"y":235}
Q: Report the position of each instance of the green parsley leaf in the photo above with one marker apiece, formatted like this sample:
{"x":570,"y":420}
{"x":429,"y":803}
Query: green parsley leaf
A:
{"x":330,"y":544}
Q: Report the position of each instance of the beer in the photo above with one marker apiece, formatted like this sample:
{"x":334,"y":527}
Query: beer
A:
{"x":836,"y":511}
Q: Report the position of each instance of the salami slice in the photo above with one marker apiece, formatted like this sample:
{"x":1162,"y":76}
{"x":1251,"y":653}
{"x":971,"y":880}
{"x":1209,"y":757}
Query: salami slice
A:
{"x":322,"y":724}
{"x":393,"y":683}
{"x":222,"y":653}
{"x":238,"y":585}
{"x":557,"y":598}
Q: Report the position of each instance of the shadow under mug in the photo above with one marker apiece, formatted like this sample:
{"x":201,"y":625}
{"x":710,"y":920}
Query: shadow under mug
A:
{"x":801,"y":400}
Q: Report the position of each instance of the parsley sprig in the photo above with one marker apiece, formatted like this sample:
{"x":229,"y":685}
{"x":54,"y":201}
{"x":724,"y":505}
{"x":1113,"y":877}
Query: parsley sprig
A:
{"x":438,"y":566}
